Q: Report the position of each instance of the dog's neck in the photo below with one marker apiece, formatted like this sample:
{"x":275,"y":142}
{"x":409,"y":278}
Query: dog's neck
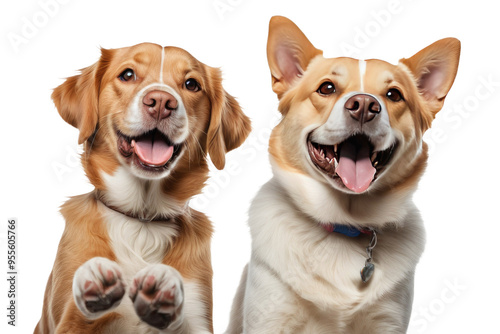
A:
{"x":328,"y":206}
{"x":131,"y":214}
{"x":145,"y":200}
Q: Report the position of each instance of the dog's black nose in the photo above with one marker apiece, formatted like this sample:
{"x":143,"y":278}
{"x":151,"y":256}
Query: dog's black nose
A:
{"x":362,"y":107}
{"x":159,"y":104}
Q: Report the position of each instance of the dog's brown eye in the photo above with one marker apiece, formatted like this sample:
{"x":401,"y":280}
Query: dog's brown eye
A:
{"x":127,"y":75}
{"x":394,"y":95}
{"x":192,"y":85}
{"x":326,"y":88}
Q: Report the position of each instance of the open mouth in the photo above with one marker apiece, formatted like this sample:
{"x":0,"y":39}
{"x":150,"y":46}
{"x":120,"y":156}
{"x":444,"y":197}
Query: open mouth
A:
{"x":354,"y":161}
{"x":152,"y":150}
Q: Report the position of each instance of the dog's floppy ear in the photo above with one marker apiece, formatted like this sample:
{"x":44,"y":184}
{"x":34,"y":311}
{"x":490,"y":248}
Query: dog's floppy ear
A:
{"x":435,"y":68}
{"x":77,"y":99}
{"x":288,"y":53}
{"x":228,"y":127}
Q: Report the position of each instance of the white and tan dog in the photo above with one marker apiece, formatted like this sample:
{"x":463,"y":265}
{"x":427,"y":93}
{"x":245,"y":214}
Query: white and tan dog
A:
{"x":134,"y":257}
{"x":346,"y":157}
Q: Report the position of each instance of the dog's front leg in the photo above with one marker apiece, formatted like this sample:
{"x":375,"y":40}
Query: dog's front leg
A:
{"x":98,"y":287}
{"x":159,"y":295}
{"x":390,"y":314}
{"x":269,"y":305}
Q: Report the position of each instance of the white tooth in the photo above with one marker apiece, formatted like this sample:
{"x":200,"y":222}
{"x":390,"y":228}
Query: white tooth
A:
{"x":336,"y":163}
{"x":321,"y":152}
{"x":374,"y":156}
{"x":375,"y":164}
{"x":327,"y":160}
{"x":335,"y":148}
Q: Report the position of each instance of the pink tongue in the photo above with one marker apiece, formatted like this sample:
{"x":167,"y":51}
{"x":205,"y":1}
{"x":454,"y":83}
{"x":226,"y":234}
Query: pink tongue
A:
{"x":153,"y":150}
{"x":355,"y":168}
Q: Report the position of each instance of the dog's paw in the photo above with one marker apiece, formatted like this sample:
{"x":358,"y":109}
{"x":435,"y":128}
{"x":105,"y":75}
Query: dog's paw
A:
{"x":98,"y":287}
{"x":158,"y":296}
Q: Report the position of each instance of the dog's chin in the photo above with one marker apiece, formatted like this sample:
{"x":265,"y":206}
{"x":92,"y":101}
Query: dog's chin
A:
{"x":151,"y":155}
{"x":351,"y":166}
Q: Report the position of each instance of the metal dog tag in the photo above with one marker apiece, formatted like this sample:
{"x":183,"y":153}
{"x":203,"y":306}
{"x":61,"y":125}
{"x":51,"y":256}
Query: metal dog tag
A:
{"x":367,"y":271}
{"x":369,"y":268}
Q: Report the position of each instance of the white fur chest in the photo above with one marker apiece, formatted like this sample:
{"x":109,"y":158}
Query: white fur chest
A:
{"x":324,"y":268}
{"x":136,"y":245}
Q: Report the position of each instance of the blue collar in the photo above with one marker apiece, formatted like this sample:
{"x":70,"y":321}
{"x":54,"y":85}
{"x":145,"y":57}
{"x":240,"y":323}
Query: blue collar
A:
{"x":345,"y":230}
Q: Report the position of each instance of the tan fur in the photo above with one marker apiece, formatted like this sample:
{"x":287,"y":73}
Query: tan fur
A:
{"x":84,"y":237}
{"x":95,"y":102}
{"x":302,"y":106}
{"x":301,"y":278}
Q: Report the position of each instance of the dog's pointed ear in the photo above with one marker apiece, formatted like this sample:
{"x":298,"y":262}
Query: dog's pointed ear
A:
{"x":435,"y":68}
{"x":77,"y":98}
{"x":288,"y":53}
{"x":229,"y":126}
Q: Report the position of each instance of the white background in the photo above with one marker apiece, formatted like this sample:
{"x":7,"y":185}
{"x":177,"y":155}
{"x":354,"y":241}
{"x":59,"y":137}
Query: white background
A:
{"x":456,"y":283}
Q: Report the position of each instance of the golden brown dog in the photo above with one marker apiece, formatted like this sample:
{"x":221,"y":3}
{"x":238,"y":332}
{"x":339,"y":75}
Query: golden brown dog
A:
{"x":134,"y":257}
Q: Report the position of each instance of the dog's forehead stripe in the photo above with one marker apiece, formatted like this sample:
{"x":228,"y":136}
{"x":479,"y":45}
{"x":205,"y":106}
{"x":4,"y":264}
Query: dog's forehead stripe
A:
{"x":362,"y":71}
{"x":161,"y":64}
